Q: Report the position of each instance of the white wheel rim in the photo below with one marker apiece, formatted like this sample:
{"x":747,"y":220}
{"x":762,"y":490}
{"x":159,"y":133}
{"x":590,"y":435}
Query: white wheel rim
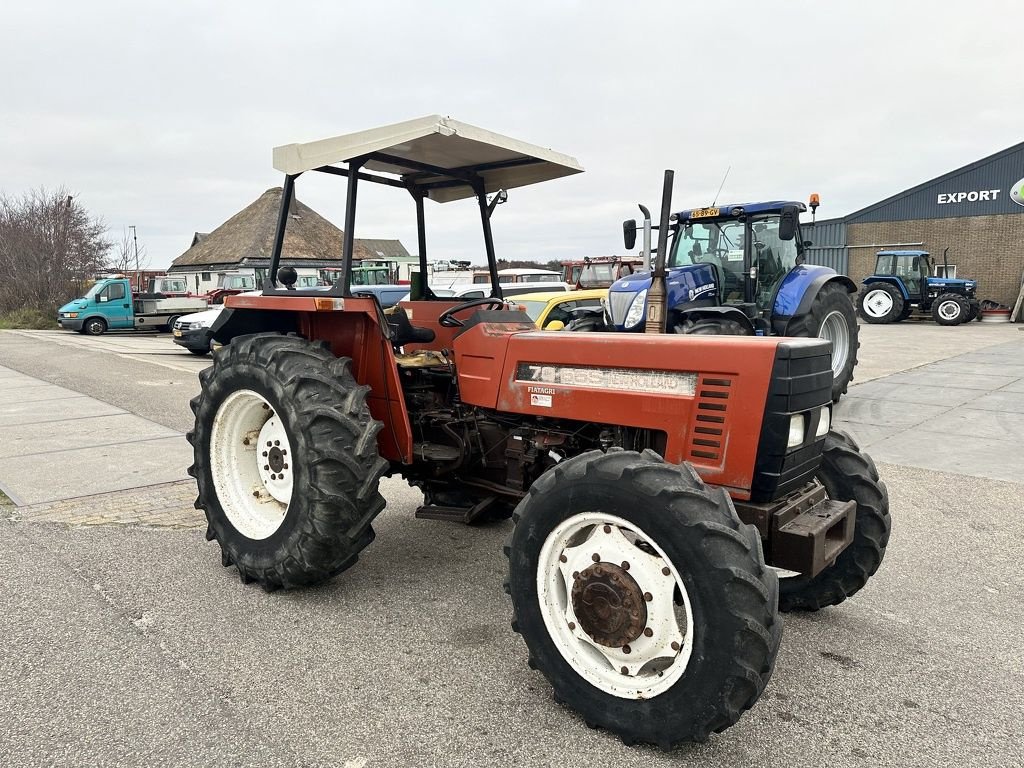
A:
{"x":251,"y":464}
{"x":949,"y":310}
{"x":648,"y":665}
{"x":834,"y":329}
{"x":878,"y":303}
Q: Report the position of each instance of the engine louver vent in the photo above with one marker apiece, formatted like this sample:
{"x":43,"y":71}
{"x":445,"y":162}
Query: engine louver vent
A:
{"x":707,"y":438}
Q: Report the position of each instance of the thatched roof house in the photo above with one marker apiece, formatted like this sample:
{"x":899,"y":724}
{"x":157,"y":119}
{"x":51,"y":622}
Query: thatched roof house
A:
{"x":246,"y":240}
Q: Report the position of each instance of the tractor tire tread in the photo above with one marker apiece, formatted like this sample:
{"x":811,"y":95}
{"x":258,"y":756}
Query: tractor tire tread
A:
{"x":335,"y":515}
{"x":740,"y":668}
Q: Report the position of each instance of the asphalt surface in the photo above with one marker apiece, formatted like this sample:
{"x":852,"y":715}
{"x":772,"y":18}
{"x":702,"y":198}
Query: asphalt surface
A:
{"x":133,"y":646}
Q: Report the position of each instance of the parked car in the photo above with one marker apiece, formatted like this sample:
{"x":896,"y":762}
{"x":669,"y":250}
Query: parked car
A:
{"x":193,"y":331}
{"x":554,"y":311}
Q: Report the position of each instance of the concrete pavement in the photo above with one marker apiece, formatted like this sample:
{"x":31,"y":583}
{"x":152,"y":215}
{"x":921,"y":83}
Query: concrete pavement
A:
{"x":59,"y":444}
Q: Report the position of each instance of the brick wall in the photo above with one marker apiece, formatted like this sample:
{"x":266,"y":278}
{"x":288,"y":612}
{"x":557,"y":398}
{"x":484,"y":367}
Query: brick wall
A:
{"x":989,"y":249}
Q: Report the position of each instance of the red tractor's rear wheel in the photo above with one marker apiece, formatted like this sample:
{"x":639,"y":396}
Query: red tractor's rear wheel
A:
{"x":286,"y":460}
{"x":642,"y":597}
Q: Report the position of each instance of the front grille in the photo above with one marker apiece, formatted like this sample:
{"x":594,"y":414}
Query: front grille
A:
{"x":801,"y":382}
{"x":708,"y":438}
{"x":618,"y":305}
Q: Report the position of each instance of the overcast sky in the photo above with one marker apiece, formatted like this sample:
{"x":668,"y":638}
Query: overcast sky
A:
{"x":164,"y":115}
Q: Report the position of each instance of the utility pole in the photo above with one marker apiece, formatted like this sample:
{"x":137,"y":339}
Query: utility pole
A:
{"x":135,"y":239}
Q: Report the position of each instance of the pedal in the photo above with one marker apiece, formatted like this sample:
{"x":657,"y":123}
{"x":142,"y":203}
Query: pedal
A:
{"x":454,"y":514}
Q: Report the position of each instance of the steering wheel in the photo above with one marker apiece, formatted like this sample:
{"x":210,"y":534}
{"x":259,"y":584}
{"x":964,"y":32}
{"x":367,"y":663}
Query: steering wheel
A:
{"x":447,"y":318}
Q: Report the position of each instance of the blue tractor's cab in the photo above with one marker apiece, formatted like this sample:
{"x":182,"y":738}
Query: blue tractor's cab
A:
{"x":903,"y":281}
{"x":740,"y":269}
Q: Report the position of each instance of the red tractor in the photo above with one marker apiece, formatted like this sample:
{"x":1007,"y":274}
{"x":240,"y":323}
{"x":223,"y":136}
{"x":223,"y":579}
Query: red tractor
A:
{"x":657,"y":483}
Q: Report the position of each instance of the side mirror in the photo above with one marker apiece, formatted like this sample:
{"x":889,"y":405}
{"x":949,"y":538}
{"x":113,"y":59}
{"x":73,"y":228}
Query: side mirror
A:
{"x":629,"y":233}
{"x":787,"y":223}
{"x":554,"y":325}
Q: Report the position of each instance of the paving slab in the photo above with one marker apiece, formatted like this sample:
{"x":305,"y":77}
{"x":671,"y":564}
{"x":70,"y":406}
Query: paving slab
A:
{"x":959,"y":453}
{"x":37,"y":391}
{"x":930,"y":377}
{"x":989,"y":368}
{"x":45,"y":438}
{"x":40,"y":412}
{"x":96,"y":470}
{"x":883,"y":389}
{"x":997,"y":425}
{"x":865,"y":435}
{"x":883,"y":413}
{"x":1005,"y":400}
{"x":14,"y":381}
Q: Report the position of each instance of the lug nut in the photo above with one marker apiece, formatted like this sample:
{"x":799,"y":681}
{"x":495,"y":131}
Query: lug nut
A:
{"x":625,"y":670}
{"x":626,"y":649}
{"x":266,"y":467}
{"x":572,"y":625}
{"x":575,"y":574}
{"x":286,"y":466}
{"x":648,"y":632}
{"x":284,"y":452}
{"x":666,"y":571}
{"x":648,"y":596}
{"x":563,"y":559}
{"x":595,"y":557}
{"x":625,"y":565}
{"x":269,"y":444}
{"x":607,"y":529}
{"x":277,"y":442}
{"x":675,"y":646}
{"x":265,"y":454}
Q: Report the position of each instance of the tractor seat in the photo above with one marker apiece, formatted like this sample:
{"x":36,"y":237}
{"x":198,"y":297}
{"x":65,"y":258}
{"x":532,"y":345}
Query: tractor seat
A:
{"x":404,"y":332}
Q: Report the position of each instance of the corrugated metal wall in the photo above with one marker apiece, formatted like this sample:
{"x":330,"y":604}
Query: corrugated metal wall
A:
{"x":987,"y":187}
{"x":828,"y":244}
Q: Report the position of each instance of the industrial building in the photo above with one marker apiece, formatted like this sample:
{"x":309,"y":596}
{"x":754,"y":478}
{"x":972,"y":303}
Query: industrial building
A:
{"x":976,"y":211}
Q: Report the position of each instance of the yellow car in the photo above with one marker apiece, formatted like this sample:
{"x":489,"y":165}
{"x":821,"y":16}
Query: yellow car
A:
{"x":553,"y":311}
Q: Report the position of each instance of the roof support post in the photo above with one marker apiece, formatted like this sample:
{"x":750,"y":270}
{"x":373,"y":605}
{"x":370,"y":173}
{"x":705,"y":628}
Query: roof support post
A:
{"x":282,"y":221}
{"x":349,"y":240}
{"x":485,"y":220}
{"x":423,"y":291}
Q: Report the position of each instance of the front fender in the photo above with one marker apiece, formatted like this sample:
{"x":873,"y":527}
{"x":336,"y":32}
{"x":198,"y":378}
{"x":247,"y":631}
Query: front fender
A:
{"x":725,"y":313}
{"x":798,"y":289}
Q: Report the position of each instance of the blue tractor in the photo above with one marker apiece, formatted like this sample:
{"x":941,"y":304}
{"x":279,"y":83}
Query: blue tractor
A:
{"x":903,"y":281}
{"x":739,"y":270}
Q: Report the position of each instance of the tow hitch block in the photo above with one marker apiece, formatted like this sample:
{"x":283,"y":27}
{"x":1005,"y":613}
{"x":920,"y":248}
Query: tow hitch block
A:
{"x":812,"y":540}
{"x":805,"y":532}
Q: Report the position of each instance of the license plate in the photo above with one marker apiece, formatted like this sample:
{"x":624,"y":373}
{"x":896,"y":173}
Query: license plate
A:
{"x":704,"y":213}
{"x":177,"y":332}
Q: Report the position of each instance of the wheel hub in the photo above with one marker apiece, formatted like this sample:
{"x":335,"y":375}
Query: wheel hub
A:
{"x":609,"y":605}
{"x":275,"y":459}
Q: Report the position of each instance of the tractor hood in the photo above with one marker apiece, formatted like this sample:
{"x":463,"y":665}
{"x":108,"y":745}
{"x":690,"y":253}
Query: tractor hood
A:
{"x":949,"y":282}
{"x":684,"y":284}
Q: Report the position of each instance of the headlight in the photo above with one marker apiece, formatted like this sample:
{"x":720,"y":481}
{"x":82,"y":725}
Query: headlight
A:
{"x":824,"y":422}
{"x":636,"y":309}
{"x":70,"y":314}
{"x":797,"y":427}
{"x":195,"y":326}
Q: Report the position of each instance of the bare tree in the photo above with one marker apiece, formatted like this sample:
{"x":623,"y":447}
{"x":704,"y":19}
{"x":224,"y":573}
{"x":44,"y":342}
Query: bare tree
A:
{"x":127,"y":256}
{"x":50,"y":247}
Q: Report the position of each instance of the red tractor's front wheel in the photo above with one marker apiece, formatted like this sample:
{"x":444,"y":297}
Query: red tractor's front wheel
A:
{"x":642,"y":597}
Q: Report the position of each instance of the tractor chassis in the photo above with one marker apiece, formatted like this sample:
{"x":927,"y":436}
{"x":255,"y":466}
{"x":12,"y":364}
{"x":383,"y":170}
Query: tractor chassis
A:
{"x":804,"y":531}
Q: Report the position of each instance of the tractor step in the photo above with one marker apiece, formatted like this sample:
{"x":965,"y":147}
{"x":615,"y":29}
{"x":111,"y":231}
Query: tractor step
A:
{"x":455,"y":514}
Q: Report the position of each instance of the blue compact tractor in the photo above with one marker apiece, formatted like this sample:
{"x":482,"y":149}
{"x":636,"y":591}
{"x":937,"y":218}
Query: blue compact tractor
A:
{"x":903,"y":281}
{"x":739,"y":270}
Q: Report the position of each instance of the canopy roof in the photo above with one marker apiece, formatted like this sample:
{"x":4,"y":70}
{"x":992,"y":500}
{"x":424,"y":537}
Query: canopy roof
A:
{"x":436,"y":154}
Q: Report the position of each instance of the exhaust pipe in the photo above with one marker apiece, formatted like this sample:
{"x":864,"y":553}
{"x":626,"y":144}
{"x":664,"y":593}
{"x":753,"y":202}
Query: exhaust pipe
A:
{"x":657,"y":294}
